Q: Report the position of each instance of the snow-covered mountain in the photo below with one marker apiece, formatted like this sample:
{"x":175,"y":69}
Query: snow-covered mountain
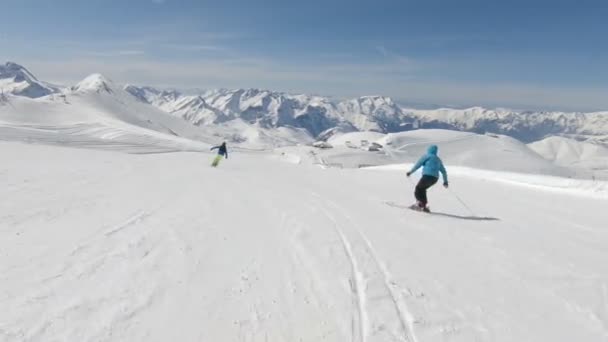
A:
{"x":376,"y":113}
{"x":265,"y":108}
{"x":96,"y":112}
{"x":94,"y":83}
{"x":270,"y":109}
{"x":320,"y":116}
{"x":17,"y":80}
{"x":523,"y":125}
{"x":192,"y":108}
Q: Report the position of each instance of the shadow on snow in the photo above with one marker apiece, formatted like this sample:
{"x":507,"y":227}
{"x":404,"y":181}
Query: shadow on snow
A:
{"x":470,"y":218}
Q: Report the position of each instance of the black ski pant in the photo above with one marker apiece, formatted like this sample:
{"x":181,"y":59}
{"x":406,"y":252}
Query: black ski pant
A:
{"x":425,"y":182}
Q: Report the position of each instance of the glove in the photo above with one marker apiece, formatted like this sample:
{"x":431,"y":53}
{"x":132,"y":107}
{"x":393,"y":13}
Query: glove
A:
{"x":445,"y":185}
{"x":409,"y":174}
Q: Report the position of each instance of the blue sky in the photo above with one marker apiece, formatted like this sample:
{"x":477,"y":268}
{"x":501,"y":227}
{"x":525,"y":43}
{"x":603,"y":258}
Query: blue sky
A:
{"x":524,"y":54}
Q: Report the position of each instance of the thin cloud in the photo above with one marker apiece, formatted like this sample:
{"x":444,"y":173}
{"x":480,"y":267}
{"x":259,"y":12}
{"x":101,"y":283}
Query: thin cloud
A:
{"x":385,"y":52}
{"x":121,"y":53}
{"x":338,"y":80}
{"x":193,"y":47}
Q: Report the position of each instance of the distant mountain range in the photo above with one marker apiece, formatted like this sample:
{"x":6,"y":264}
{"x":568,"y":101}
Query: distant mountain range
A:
{"x":320,"y":116}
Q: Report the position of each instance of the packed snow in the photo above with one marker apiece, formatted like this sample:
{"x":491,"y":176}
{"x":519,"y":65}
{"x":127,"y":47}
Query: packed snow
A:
{"x":102,"y":245}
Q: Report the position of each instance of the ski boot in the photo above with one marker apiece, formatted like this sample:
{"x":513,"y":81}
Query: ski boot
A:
{"x":424,"y":207}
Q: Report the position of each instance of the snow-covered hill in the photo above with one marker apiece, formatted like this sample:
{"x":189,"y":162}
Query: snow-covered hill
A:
{"x":575,"y":154}
{"x":96,"y":112}
{"x":462,"y":149}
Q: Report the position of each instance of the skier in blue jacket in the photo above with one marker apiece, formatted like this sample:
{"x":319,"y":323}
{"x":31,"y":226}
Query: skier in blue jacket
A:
{"x":222,"y":151}
{"x":431,"y":167}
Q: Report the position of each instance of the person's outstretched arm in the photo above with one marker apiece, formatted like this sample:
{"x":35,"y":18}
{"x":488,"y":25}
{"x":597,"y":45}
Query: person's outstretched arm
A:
{"x":418,"y":165}
{"x":444,"y":174}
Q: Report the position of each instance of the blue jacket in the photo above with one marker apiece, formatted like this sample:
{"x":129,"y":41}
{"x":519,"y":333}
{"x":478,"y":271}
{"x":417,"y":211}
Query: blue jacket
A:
{"x":432,"y":164}
{"x":221,"y":150}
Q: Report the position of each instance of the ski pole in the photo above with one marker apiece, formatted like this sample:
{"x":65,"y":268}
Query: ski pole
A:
{"x":462,"y":202}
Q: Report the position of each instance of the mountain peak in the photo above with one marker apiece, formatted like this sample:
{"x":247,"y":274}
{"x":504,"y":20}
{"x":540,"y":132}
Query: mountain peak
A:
{"x":17,"y":80}
{"x":94,"y":83}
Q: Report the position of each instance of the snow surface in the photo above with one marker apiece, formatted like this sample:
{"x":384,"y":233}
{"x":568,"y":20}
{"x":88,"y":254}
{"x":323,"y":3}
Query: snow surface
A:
{"x":572,"y":153}
{"x":470,"y":150}
{"x":107,"y":246}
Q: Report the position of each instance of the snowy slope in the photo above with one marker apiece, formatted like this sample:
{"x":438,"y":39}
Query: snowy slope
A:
{"x":572,"y":153}
{"x":97,"y":113}
{"x":479,"y":151}
{"x":106,"y":246}
{"x":493,"y":152}
{"x":566,"y":151}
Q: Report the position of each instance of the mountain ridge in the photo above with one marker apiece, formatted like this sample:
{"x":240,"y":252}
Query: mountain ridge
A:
{"x":322,"y":116}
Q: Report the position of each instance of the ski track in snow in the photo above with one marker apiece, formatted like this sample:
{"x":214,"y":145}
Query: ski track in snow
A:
{"x":136,"y":218}
{"x":359,"y":325}
{"x":369,"y":319}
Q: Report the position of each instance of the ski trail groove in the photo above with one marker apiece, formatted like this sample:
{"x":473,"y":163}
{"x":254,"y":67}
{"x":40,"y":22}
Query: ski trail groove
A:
{"x":134,"y":219}
{"x":359,"y":325}
{"x":404,"y":316}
